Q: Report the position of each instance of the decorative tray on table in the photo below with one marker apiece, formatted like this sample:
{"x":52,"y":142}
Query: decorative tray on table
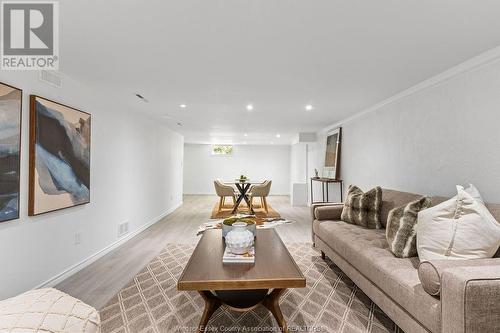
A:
{"x":260,"y":223}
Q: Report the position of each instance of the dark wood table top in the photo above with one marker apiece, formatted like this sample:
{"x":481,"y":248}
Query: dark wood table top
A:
{"x":274,"y":266}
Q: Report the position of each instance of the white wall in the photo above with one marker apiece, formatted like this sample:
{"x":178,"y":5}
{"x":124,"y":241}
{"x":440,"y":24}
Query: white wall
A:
{"x":315,"y":159}
{"x":136,"y":176}
{"x":298,"y":165}
{"x":430,"y":140}
{"x":258,"y":162}
{"x":299,"y":174}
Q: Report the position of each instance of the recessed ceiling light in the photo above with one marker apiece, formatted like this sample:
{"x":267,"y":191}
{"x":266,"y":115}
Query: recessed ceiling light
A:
{"x":278,"y":135}
{"x":309,"y":107}
{"x":183,"y":106}
{"x":245,"y":135}
{"x":249,"y":107}
{"x":141,"y":98}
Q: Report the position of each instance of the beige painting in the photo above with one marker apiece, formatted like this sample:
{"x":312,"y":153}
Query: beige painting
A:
{"x":332,"y":154}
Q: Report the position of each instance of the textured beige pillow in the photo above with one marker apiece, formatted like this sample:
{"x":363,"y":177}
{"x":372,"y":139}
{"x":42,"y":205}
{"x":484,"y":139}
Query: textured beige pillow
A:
{"x":363,"y":208}
{"x":400,"y":230}
{"x":460,"y":228}
{"x":47,"y":310}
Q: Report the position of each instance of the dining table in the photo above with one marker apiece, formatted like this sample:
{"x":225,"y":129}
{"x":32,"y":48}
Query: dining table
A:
{"x":243,"y":187}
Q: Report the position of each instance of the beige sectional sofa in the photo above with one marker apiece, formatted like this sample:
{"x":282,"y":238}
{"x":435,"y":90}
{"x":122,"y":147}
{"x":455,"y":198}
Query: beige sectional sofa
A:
{"x":469,"y":299}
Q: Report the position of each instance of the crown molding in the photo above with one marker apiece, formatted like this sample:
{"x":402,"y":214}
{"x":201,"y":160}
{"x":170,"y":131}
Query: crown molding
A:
{"x":481,"y":60}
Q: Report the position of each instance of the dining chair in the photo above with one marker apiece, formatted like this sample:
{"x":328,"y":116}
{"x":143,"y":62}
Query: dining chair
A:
{"x":262,"y":191}
{"x":224,"y":191}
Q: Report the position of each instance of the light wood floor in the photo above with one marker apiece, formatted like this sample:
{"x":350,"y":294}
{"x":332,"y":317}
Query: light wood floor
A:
{"x":100,"y":281}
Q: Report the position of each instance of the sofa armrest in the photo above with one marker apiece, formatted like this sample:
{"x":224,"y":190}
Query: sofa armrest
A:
{"x":430,"y":271}
{"x":327,"y":211}
{"x":470,"y":299}
{"x":321,"y":204}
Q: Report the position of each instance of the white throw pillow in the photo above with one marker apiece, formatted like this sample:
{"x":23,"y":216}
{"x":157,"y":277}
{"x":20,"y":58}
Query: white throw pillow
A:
{"x":473,"y":191}
{"x":459,"y":228}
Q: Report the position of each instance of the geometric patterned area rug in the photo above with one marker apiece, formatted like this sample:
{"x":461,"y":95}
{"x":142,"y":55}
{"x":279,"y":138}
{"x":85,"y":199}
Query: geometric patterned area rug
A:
{"x":331,"y":302}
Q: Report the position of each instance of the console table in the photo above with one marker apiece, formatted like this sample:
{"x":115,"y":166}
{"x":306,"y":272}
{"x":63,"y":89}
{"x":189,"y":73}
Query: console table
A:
{"x":325,"y":182}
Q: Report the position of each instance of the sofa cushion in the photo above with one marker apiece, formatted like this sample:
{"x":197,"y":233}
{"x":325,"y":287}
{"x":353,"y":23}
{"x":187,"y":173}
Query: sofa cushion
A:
{"x":400,"y":230}
{"x":392,"y":199}
{"x":47,"y":310}
{"x":430,"y":275}
{"x":430,"y":272}
{"x":460,"y":228}
{"x":363,"y":208}
{"x":367,"y":250}
{"x":495,"y":211}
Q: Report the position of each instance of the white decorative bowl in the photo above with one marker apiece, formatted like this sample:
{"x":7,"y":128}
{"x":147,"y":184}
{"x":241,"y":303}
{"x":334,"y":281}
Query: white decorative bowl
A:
{"x":239,"y":240}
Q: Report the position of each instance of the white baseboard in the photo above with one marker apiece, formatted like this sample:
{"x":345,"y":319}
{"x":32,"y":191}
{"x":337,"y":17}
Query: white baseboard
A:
{"x":89,"y":260}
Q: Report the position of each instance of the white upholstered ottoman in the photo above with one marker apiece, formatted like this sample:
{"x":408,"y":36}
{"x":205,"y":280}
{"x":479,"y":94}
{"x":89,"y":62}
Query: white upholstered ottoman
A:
{"x":47,"y":310}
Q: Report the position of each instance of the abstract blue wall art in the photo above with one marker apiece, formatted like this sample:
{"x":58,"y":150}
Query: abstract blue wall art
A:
{"x":59,"y":156}
{"x":10,"y":147}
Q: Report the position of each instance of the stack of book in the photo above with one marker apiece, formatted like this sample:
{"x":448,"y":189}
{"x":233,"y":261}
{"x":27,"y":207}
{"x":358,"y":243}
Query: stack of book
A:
{"x":231,"y":258}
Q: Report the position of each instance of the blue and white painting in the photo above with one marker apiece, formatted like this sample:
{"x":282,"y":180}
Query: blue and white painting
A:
{"x":61,"y":175}
{"x":10,"y":138}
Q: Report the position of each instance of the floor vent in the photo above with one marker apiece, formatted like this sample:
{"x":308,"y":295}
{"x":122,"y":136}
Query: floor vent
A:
{"x":51,"y":77}
{"x":122,"y":229}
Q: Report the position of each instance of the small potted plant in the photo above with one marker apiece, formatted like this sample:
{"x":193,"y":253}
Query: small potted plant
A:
{"x":227,"y":224}
{"x":243,"y":178}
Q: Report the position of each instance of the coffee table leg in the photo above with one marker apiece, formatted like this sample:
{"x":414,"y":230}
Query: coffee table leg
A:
{"x":212,"y":303}
{"x":272,"y":303}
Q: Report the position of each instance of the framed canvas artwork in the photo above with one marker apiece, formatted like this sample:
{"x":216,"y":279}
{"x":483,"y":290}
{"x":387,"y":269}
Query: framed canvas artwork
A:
{"x":332,"y":154}
{"x":59,"y":175}
{"x":10,"y":148}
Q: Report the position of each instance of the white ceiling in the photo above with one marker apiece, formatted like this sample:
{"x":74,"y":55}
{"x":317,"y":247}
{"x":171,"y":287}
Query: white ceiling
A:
{"x":216,"y":56}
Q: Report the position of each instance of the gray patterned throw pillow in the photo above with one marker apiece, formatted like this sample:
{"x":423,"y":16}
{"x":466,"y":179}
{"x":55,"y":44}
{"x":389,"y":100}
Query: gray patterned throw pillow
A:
{"x":401,"y":228}
{"x":362,"y":208}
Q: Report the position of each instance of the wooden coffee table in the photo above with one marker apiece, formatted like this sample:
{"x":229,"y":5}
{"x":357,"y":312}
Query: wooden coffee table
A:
{"x":241,"y":287}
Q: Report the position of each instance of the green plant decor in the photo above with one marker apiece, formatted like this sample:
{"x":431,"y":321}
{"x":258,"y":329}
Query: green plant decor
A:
{"x":230,"y":220}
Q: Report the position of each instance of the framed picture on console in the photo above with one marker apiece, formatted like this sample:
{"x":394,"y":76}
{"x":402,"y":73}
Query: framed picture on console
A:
{"x":332,"y":154}
{"x":59,"y":168}
{"x":10,"y":149}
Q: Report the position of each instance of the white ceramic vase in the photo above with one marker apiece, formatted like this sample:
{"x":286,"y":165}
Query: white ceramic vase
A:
{"x":227,"y":228}
{"x":239,"y":240}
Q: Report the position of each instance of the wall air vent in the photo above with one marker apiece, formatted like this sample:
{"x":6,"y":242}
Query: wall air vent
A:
{"x":122,"y":229}
{"x":53,"y":78}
